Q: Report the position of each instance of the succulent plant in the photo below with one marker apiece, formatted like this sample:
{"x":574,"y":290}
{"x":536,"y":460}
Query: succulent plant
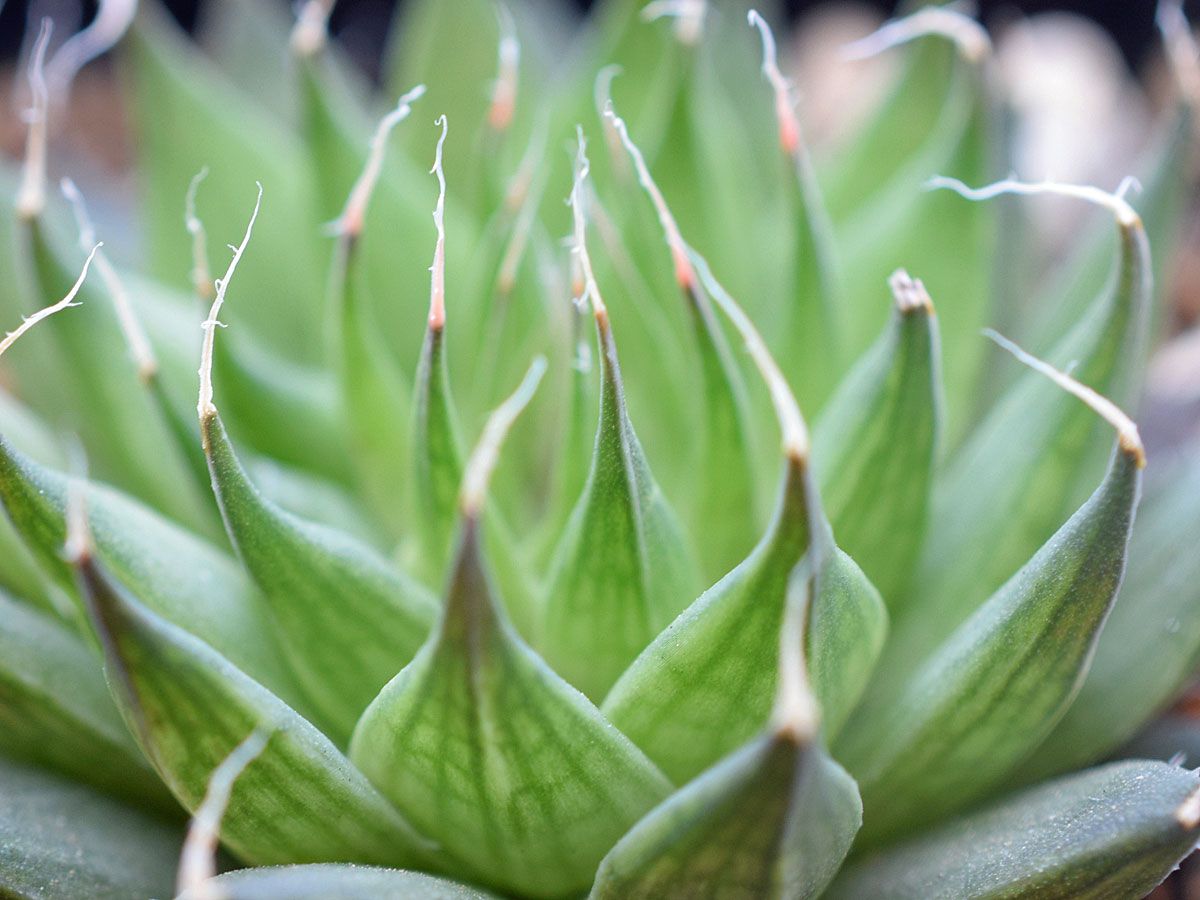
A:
{"x":372,"y":655}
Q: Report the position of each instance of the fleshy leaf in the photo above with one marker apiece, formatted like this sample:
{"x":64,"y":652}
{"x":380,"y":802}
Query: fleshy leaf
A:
{"x":1115,"y":831}
{"x":997,"y":686}
{"x":179,"y":576}
{"x":775,"y":819}
{"x":330,"y":881}
{"x":55,"y":710}
{"x":299,"y":801}
{"x":517,"y":775}
{"x":705,"y":685}
{"x":875,"y":444}
{"x":63,"y":841}
{"x":1006,"y":489}
{"x":347,"y":619}
{"x":622,"y":570}
{"x":1154,"y":621}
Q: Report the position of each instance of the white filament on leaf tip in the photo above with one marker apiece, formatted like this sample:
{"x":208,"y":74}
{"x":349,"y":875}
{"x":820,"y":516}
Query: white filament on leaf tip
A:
{"x":508,"y":61}
{"x":31,"y":197}
{"x":350,"y":223}
{"x":1115,"y":202}
{"x":1127,"y":431}
{"x":590,"y":290}
{"x":311,"y":30}
{"x":205,"y":404}
{"x":112,"y":20}
{"x":683,"y":267}
{"x":795,"y":713}
{"x":201,"y":276}
{"x":487,"y":452}
{"x":32,"y":319}
{"x":197,"y":862}
{"x":1182,"y":50}
{"x":688,"y":15}
{"x":437,"y":271}
{"x":967,"y":34}
{"x":787,"y":409}
{"x":135,"y":336}
{"x":785,"y":112}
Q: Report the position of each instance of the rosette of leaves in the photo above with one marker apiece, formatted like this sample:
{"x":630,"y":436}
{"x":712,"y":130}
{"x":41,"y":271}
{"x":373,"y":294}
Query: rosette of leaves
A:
{"x":384,"y":630}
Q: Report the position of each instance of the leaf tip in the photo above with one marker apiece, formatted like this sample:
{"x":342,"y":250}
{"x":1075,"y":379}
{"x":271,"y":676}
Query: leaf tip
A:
{"x":971,"y":38}
{"x":437,"y":271}
{"x":1187,"y":814}
{"x":785,"y":113}
{"x":1128,"y":438}
{"x":311,"y":31}
{"x":909,"y":294}
{"x":508,"y":60}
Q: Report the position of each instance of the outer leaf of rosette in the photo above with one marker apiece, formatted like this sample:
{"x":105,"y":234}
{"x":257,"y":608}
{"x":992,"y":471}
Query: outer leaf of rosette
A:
{"x":949,"y":242}
{"x":331,"y":881}
{"x":1004,"y":492}
{"x":63,"y":840}
{"x":622,"y":570}
{"x":1150,"y":647}
{"x":177,"y":575}
{"x":490,"y":752}
{"x":128,"y":439}
{"x":705,"y":685}
{"x":190,"y":117}
{"x":55,"y":711}
{"x":300,"y":800}
{"x":347,"y":620}
{"x":1114,"y":831}
{"x":993,"y":690}
{"x":774,"y":819}
{"x":876,"y":442}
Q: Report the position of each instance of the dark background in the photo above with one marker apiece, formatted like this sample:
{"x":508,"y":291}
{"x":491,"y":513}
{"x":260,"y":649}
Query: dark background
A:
{"x":1131,"y":22}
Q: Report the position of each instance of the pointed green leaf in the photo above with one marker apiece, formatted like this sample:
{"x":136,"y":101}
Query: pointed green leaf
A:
{"x":1115,"y":831}
{"x":511,"y":769}
{"x":188,"y":117}
{"x":299,"y":801}
{"x":180,"y":577}
{"x":55,"y":711}
{"x":705,"y":685}
{"x":1006,"y":489}
{"x":330,"y":881}
{"x":875,"y":444}
{"x":1154,"y":620}
{"x":948,"y":242}
{"x":346,"y":619}
{"x":773,"y":820}
{"x":1000,"y":682}
{"x":622,"y":570}
{"x":62,"y":841}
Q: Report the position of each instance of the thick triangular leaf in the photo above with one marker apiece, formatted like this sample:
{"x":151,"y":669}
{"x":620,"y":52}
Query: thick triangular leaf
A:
{"x":1006,"y":489}
{"x":773,"y":820}
{"x":1150,"y":646}
{"x":1115,"y":831}
{"x":62,"y":841}
{"x":332,"y":882}
{"x":300,"y":800}
{"x":512,"y":770}
{"x":995,"y":688}
{"x":875,"y":444}
{"x":347,"y":619}
{"x":187,"y":581}
{"x":705,"y":685}
{"x":622,"y":570}
{"x":55,"y":711}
